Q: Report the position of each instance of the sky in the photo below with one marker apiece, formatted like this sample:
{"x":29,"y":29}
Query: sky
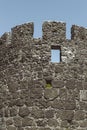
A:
{"x":16,"y":12}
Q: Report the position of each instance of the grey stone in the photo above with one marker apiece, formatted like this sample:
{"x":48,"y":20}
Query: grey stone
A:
{"x":83,"y":124}
{"x":67,"y":115}
{"x":13,"y":111}
{"x":79,"y":115}
{"x":27,"y":122}
{"x":19,"y":102}
{"x":7,"y":112}
{"x":53,"y":123}
{"x":37,"y":113}
{"x":36,"y":93}
{"x":70,"y":84}
{"x":20,"y":128}
{"x":24,"y":111}
{"x":9,"y":122}
{"x":17,"y":121}
{"x":57,"y":83}
{"x":1,"y":112}
{"x":11,"y":128}
{"x":51,"y":94}
{"x":65,"y":124}
{"x":49,"y":114}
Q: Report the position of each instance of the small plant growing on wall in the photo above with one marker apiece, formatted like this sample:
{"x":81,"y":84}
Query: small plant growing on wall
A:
{"x":48,"y":84}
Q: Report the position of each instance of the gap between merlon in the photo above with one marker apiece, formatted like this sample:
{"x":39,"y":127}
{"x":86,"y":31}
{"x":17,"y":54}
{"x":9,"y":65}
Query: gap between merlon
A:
{"x":38,"y":30}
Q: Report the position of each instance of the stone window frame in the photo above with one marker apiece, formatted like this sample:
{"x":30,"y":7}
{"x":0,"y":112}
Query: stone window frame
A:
{"x":56,"y":47}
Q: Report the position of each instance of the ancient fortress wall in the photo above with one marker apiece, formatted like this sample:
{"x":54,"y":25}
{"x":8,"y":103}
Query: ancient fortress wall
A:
{"x":35,"y":93}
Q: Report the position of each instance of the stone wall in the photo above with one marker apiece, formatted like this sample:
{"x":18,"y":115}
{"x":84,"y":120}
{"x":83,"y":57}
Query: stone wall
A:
{"x":36,"y":94}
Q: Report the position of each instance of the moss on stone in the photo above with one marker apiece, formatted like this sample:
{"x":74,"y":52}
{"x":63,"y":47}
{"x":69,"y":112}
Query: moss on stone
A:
{"x":48,"y":86}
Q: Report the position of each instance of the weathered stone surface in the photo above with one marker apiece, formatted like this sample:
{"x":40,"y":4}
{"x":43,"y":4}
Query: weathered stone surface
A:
{"x":12,"y":86}
{"x":1,"y":104}
{"x":26,"y":69}
{"x":11,"y":128}
{"x":63,"y":94}
{"x":27,"y":122}
{"x":19,"y":102}
{"x":37,"y":113}
{"x":44,"y":128}
{"x":49,"y":114}
{"x":57,"y":104}
{"x":1,"y":113}
{"x":41,"y":123}
{"x":64,"y":104}
{"x":83,"y":106}
{"x":67,"y":115}
{"x":83,"y":95}
{"x":7,"y":112}
{"x":83,"y":124}
{"x":17,"y":121}
{"x":70,"y":84}
{"x":36,"y":93}
{"x":20,"y":128}
{"x":51,"y":94}
{"x":79,"y":115}
{"x":2,"y":128}
{"x":32,"y":128}
{"x":24,"y":111}
{"x":13,"y":111}
{"x":29,"y":101}
{"x":57,"y":83}
{"x":9,"y":121}
{"x":53,"y":123}
{"x":65,"y":124}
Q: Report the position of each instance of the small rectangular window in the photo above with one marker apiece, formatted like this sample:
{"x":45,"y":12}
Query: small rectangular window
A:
{"x":55,"y":54}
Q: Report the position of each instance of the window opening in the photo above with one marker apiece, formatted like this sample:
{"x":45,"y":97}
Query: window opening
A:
{"x":55,"y":54}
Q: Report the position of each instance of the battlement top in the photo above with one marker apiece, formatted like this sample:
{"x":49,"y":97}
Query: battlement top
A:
{"x":50,"y":30}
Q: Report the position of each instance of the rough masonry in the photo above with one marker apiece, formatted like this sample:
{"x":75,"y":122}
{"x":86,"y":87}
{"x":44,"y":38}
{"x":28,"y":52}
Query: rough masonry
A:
{"x":36,"y":94}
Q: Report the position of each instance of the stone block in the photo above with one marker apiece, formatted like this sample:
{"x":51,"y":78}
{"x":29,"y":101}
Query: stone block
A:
{"x":9,"y":121}
{"x":36,"y":93}
{"x":83,"y":95}
{"x":69,"y":104}
{"x":41,"y":123}
{"x":24,"y":111}
{"x":27,"y":122}
{"x":13,"y":111}
{"x":49,"y":114}
{"x":11,"y":128}
{"x":57,"y":83}
{"x":37,"y":113}
{"x":57,"y":104}
{"x":17,"y":121}
{"x":51,"y":94}
{"x":79,"y":115}
{"x":70,"y":84}
{"x":67,"y":115}
{"x":83,"y":124}
{"x":53,"y":123}
{"x":1,"y":113}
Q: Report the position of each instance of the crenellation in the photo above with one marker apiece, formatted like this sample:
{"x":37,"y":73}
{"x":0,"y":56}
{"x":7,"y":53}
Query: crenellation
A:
{"x":78,"y":33}
{"x":54,"y":30}
{"x":36,"y":93}
{"x":5,"y":38}
{"x":22,"y":32}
